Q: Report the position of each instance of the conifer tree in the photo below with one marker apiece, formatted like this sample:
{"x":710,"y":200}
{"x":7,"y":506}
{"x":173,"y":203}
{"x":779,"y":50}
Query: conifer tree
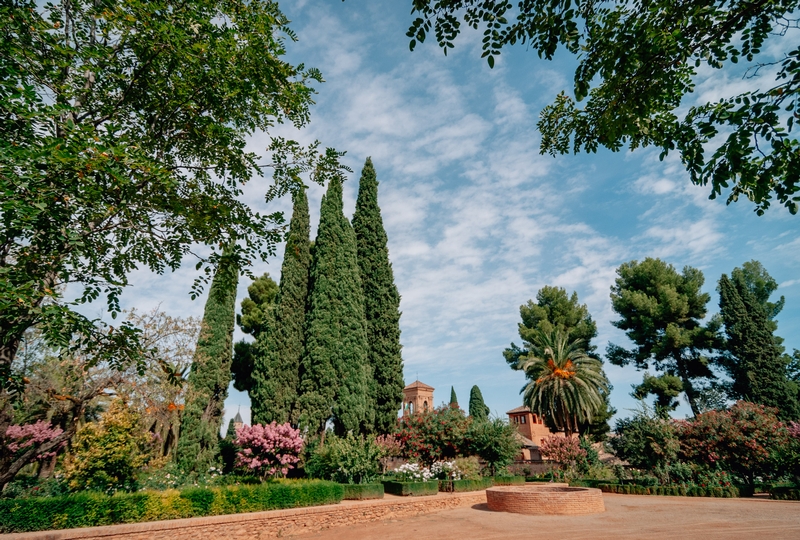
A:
{"x":381,"y":302}
{"x":336,"y":377}
{"x":754,"y":363}
{"x":210,"y":374}
{"x":453,"y":398}
{"x":258,"y":315}
{"x":477,"y":408}
{"x":278,"y":352}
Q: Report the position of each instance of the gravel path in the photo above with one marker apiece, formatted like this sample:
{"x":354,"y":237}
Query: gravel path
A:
{"x":626,"y":516}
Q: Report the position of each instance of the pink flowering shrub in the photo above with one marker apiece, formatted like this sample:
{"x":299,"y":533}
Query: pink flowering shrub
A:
{"x":564,"y":451}
{"x":269,"y":450}
{"x":20,"y":437}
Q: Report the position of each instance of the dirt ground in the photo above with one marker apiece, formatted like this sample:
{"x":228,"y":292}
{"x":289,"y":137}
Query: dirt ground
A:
{"x":626,"y":516}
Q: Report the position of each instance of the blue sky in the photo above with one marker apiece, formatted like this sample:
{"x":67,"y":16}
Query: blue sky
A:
{"x":477,"y":219}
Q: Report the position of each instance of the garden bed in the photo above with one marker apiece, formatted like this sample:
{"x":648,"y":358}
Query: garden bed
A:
{"x":94,"y":509}
{"x":361,"y":492}
{"x":412,"y":489}
{"x":785,"y":493}
{"x":460,"y":486}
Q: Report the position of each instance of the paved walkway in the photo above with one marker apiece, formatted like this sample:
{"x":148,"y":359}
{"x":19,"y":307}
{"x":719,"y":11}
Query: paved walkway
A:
{"x":626,"y":517}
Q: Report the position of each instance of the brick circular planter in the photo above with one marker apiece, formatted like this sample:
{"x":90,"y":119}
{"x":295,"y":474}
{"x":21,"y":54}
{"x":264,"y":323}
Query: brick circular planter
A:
{"x":545,"y":500}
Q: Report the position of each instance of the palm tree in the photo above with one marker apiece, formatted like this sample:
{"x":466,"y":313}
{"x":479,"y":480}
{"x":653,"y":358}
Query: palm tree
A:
{"x":566,"y":384}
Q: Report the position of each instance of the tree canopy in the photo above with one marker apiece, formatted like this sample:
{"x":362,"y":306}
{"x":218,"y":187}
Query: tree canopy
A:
{"x":662,"y":312}
{"x":122,"y":146}
{"x":638,"y":61}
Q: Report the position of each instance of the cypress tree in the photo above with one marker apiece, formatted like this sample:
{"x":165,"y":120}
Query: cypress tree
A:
{"x":210,"y":373}
{"x":453,"y":398}
{"x":477,"y":408}
{"x":754,"y":363}
{"x":278,"y":352}
{"x":381,"y":302}
{"x":336,"y":377}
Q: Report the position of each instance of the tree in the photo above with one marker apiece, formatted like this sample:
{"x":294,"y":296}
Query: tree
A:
{"x":277,"y":367}
{"x":453,"y":398}
{"x":637,"y":61}
{"x":553,"y":309}
{"x":210,"y":374}
{"x":124,"y":124}
{"x":477,"y":408}
{"x":256,"y":318}
{"x":661,"y":312}
{"x":556,"y":310}
{"x":744,"y":440}
{"x":754,"y":361}
{"x":565,"y":384}
{"x":336,"y":376}
{"x":665,"y":387}
{"x":566,"y":452}
{"x":381,"y":302}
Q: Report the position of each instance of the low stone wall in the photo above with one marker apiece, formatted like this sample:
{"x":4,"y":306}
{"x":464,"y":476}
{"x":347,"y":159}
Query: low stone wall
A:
{"x":272,"y":524}
{"x":545,"y":500}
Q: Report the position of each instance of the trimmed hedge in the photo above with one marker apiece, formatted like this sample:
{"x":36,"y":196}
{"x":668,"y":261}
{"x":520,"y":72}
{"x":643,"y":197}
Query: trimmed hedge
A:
{"x":360,"y":492}
{"x":94,"y":509}
{"x":508,"y":480}
{"x":589,"y":482}
{"x":784,"y":493}
{"x":677,"y":491}
{"x":413,"y":489}
{"x":460,"y":486}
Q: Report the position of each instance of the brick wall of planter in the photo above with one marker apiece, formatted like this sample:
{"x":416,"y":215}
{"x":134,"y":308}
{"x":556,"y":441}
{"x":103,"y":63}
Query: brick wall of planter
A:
{"x":261,"y":525}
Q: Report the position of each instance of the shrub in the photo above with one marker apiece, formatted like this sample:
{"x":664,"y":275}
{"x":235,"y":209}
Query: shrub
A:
{"x":446,"y":470}
{"x":412,"y":472}
{"x":269,"y":450}
{"x":107,"y":455}
{"x":460,"y":486}
{"x":94,"y":509}
{"x":411,"y":488}
{"x":348,"y":460}
{"x":508,"y":480}
{"x":470,"y":467}
{"x":359,"y":492}
{"x":390,"y":447}
{"x":745,"y":440}
{"x":495,"y":441}
{"x":646,"y":441}
{"x":564,"y":451}
{"x":435,"y":435}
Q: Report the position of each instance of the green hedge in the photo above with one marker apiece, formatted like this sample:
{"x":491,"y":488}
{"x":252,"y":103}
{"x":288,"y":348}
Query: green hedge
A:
{"x":678,"y":491}
{"x":508,"y":480}
{"x":93,"y":509}
{"x":589,"y":482}
{"x":411,"y":488}
{"x":460,"y":486}
{"x":785,"y":493}
{"x":360,"y":492}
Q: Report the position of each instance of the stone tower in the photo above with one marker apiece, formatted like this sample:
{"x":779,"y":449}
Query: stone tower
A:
{"x":417,"y":396}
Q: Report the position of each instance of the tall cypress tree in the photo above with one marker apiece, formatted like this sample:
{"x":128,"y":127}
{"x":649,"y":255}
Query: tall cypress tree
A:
{"x":278,"y":352}
{"x":210,"y":374}
{"x":755,"y":363}
{"x":258,"y":315}
{"x":336,"y":376}
{"x":381,"y":302}
{"x":477,"y":408}
{"x":453,"y":398}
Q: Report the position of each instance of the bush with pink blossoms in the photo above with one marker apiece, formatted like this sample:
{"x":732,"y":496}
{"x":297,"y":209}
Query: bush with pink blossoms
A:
{"x":269,"y":450}
{"x":564,"y":451}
